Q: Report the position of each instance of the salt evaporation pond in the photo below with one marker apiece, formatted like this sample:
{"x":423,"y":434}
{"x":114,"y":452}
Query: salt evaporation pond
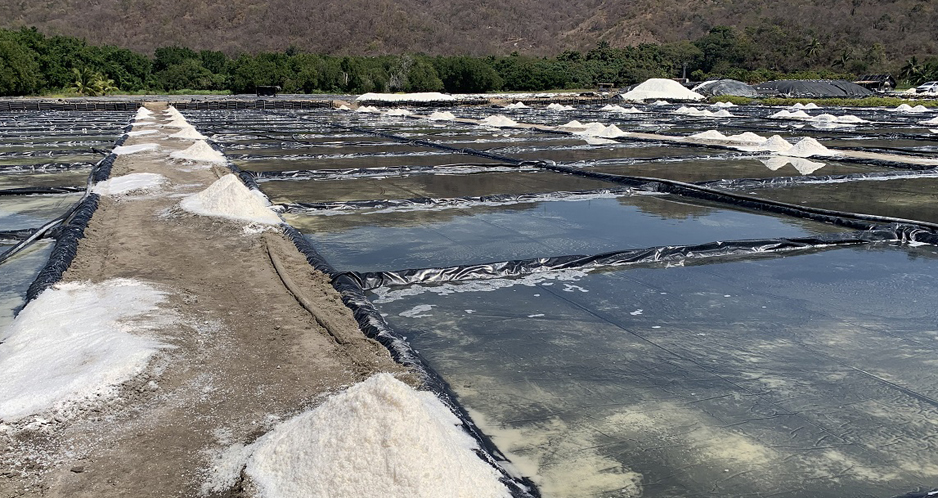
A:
{"x":33,"y":211}
{"x":481,"y":234}
{"x":806,"y":375}
{"x":17,"y":274}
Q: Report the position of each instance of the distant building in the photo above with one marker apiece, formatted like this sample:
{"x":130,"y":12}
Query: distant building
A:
{"x":877,"y":82}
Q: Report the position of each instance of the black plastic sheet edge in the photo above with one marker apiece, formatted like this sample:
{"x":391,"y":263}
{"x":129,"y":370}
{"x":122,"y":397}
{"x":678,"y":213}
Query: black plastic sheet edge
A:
{"x":65,"y":249}
{"x":374,"y":326}
{"x":790,"y":181}
{"x":41,"y":190}
{"x":658,"y":255}
{"x":16,"y":235}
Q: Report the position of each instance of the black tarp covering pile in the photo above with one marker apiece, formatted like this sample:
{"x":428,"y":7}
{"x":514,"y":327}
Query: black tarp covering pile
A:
{"x":812,"y":89}
{"x":733,"y":88}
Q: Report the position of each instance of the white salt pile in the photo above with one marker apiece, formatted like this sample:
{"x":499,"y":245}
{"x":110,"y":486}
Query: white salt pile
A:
{"x":177,"y":122}
{"x":379,"y":438}
{"x":723,"y":104}
{"x":808,"y":147}
{"x":783,"y":114}
{"x":747,"y":137}
{"x":441,"y":116}
{"x":368,"y":109}
{"x":932,"y":121}
{"x":572,"y":124}
{"x":498,"y":121}
{"x":660,"y":88}
{"x":229,"y":198}
{"x":845,"y":119}
{"x":619,"y":109}
{"x":200,"y":151}
{"x":703,"y":113}
{"x":709,"y":135}
{"x":907,"y":109}
{"x":399,"y":112}
{"x":75,"y":343}
{"x":188,"y":133}
{"x":559,"y":107}
{"x":134,"y":149}
{"x":600,"y":130}
{"x":139,"y":133}
{"x":775,"y":143}
{"x":344,"y":107}
{"x":406,"y":97}
{"x":143,"y":113}
{"x":660,"y":102}
{"x":516,"y":105}
{"x":804,"y":166}
{"x":809,"y":105}
{"x":129,"y":183}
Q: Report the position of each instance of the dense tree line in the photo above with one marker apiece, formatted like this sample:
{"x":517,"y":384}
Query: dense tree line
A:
{"x":32,"y":63}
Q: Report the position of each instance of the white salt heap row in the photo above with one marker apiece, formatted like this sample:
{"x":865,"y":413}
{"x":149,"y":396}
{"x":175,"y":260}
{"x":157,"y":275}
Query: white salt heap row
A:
{"x":703,"y":113}
{"x":660,"y":88}
{"x":559,"y":107}
{"x":498,"y":121}
{"x":200,"y":151}
{"x":229,"y":198}
{"x":809,"y":105}
{"x":907,"y":109}
{"x":750,"y":141}
{"x":723,"y":104}
{"x":188,"y":133}
{"x":379,"y":438}
{"x":143,"y":114}
{"x":619,"y":109}
{"x":406,"y":97}
{"x":823,"y":118}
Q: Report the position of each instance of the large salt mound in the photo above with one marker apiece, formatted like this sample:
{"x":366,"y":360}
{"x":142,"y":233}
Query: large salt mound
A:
{"x":441,"y":116}
{"x":120,"y":185}
{"x":808,"y":147}
{"x":200,"y":151}
{"x":143,"y":113}
{"x":71,"y":345}
{"x":600,"y":130}
{"x":229,"y":198}
{"x":746,"y":137}
{"x":188,"y":133}
{"x":498,"y":121}
{"x":559,"y":107}
{"x":406,"y":97}
{"x":177,"y":122}
{"x":379,"y":438}
{"x":572,"y":124}
{"x":775,"y":143}
{"x":516,"y":105}
{"x":660,"y":88}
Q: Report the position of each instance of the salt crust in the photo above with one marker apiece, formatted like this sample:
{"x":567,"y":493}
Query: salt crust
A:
{"x":134,"y":149}
{"x":229,"y":198}
{"x":200,"y":151}
{"x":120,"y":185}
{"x":441,"y":116}
{"x":660,"y":88}
{"x":406,"y":97}
{"x":74,"y":344}
{"x":379,"y":438}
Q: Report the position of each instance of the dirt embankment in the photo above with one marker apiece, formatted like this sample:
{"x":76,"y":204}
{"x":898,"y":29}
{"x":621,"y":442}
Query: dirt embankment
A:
{"x":245,"y":352}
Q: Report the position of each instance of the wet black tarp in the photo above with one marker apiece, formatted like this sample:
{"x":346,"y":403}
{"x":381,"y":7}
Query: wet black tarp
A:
{"x":812,"y":89}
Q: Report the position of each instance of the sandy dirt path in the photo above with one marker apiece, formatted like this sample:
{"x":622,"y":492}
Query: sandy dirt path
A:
{"x":246,"y":353}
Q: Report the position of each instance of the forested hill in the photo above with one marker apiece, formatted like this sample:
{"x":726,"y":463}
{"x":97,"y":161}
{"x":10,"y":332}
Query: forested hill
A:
{"x":837,"y":28}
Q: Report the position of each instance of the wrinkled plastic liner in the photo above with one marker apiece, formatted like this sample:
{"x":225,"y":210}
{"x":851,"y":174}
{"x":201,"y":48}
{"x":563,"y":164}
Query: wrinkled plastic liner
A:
{"x":672,"y":255}
{"x":791,"y":181}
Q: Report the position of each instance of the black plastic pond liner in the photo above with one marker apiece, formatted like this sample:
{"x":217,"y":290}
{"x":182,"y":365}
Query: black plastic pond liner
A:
{"x":375,"y":327}
{"x":660,"y":255}
{"x":331,"y":174}
{"x":7,"y":236}
{"x":66,"y":246}
{"x":812,"y":88}
{"x":448,"y":201}
{"x":43,"y":167}
{"x":791,"y":181}
{"x":725,"y":87}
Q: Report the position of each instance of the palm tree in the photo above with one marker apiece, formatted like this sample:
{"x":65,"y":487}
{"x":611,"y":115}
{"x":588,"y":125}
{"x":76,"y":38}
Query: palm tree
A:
{"x":912,"y":71}
{"x":91,"y":83}
{"x":813,"y":48}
